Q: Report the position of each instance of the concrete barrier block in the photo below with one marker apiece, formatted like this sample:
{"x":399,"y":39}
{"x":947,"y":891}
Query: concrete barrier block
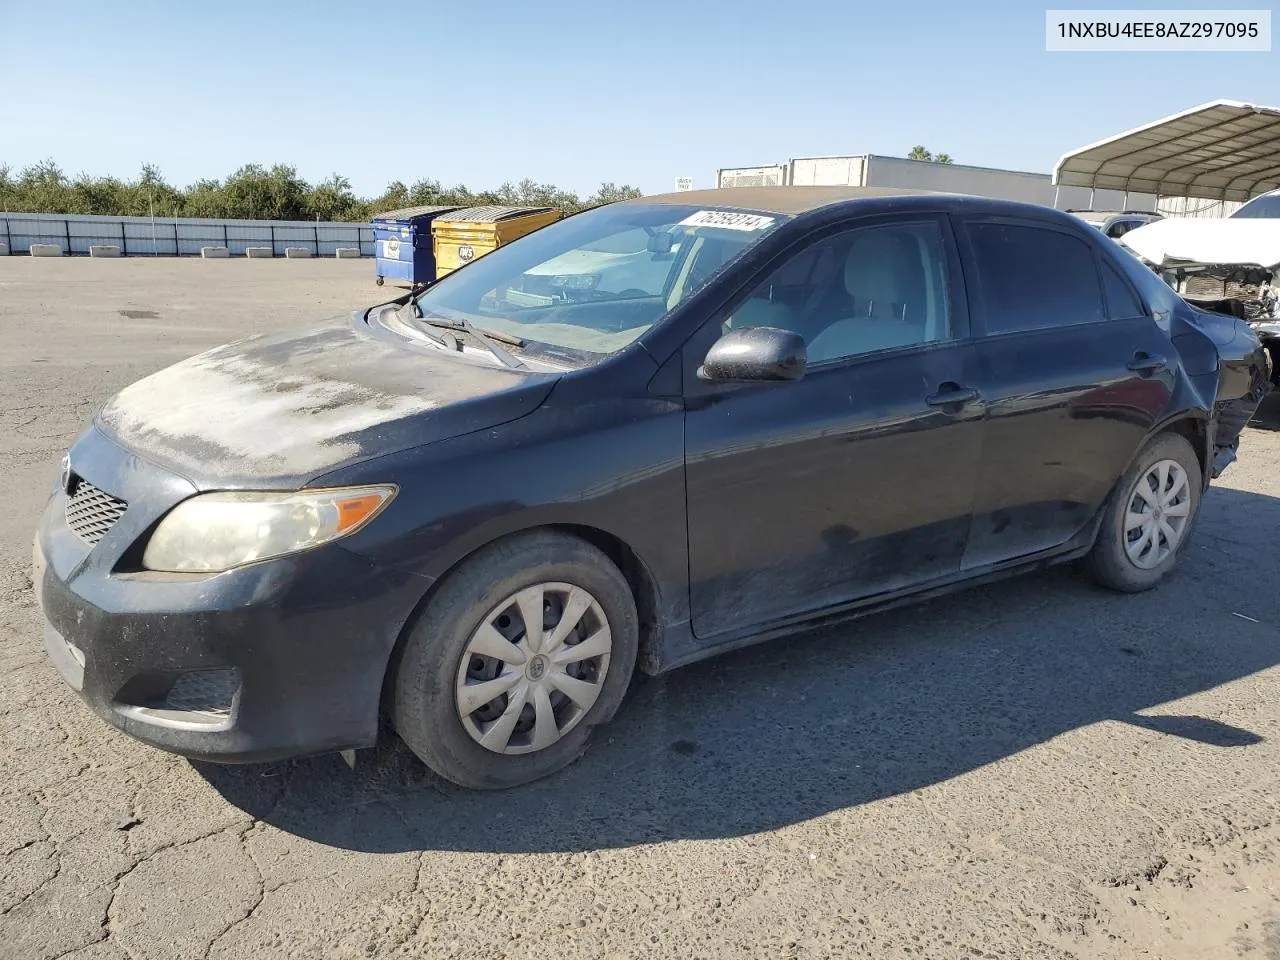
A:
{"x":215,"y":253}
{"x":347,"y":253}
{"x":297,"y":253}
{"x":254,"y":253}
{"x":104,"y":250}
{"x":4,"y":249}
{"x":46,"y":250}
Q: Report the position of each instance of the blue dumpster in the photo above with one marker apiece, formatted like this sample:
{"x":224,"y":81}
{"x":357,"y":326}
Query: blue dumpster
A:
{"x":402,"y":239}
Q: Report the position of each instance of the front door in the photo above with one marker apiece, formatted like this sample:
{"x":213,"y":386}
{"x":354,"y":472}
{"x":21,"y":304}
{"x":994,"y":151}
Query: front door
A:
{"x":857,"y":479}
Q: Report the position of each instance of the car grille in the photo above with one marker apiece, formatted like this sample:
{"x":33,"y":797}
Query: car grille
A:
{"x":91,"y":512}
{"x":209,"y":692}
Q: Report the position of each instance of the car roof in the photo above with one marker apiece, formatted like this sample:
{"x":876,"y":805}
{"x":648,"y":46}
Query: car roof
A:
{"x":780,"y":199}
{"x":799,"y":201}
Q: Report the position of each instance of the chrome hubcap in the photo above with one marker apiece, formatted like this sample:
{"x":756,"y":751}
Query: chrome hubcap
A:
{"x":533,"y":668}
{"x":1157,"y":514}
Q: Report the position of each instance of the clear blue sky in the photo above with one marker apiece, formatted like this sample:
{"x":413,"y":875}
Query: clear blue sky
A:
{"x":566,"y":91}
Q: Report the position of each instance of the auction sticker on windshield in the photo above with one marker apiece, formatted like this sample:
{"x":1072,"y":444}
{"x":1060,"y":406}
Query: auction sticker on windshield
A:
{"x":727,"y":219}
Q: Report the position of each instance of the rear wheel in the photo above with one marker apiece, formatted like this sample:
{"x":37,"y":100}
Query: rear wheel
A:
{"x":524,"y":648}
{"x":1150,"y":518}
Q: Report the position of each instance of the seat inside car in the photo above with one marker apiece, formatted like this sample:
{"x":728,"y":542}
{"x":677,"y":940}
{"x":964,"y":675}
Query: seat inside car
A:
{"x":885,"y":287}
{"x":761,"y":312}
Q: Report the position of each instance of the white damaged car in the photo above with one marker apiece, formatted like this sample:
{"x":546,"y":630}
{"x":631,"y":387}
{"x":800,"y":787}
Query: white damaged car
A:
{"x":1228,"y":265}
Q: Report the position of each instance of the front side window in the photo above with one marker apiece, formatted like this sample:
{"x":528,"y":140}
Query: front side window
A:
{"x":1032,"y":278}
{"x":590,"y":285}
{"x":870,"y":289}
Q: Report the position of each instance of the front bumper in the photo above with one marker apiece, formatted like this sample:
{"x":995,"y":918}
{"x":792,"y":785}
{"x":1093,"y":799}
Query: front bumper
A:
{"x":277,"y":659}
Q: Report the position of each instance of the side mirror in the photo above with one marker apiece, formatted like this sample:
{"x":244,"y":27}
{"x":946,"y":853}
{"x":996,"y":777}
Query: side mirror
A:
{"x":755,"y":354}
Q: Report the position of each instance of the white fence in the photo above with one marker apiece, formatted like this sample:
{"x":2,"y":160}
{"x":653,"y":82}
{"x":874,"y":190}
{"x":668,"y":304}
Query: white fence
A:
{"x":179,"y":237}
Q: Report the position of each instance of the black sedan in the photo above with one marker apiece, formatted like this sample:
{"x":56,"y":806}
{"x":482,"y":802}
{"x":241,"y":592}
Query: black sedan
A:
{"x":643,"y":435}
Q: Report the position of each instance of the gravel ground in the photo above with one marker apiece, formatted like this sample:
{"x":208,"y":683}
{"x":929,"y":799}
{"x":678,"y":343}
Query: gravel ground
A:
{"x":1032,"y":769}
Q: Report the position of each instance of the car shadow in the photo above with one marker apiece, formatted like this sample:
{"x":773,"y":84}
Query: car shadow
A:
{"x":796,"y":728}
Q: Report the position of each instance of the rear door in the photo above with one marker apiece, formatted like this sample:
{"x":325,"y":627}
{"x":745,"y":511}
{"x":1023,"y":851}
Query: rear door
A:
{"x":1074,"y":372}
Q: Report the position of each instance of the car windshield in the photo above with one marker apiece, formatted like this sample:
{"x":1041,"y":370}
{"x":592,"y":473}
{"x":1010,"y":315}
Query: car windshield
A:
{"x":589,"y":285}
{"x":1266,"y":206}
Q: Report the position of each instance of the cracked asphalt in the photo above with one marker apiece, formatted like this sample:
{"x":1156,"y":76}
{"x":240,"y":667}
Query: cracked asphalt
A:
{"x":1033,"y":769}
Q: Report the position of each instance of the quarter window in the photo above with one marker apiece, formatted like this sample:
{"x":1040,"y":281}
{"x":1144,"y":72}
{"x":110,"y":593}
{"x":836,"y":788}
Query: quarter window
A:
{"x":1032,"y":278}
{"x":1122,"y":302}
{"x":870,"y":289}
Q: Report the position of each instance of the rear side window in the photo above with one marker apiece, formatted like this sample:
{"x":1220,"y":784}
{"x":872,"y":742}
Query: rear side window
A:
{"x":1032,"y":278}
{"x":1122,"y":302}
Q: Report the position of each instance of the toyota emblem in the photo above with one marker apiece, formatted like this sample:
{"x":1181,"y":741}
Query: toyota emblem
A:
{"x":466,"y":253}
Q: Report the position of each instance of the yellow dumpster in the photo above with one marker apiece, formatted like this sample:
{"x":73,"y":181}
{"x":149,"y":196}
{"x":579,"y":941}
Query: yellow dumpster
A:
{"x":463,"y":235}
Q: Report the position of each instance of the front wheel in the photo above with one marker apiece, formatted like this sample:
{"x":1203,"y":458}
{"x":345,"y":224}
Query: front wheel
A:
{"x":525,"y":647}
{"x":1150,"y":517}
{"x":379,"y":281}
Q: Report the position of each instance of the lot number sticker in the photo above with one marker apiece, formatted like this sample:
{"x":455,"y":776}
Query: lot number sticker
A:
{"x":727,"y":220}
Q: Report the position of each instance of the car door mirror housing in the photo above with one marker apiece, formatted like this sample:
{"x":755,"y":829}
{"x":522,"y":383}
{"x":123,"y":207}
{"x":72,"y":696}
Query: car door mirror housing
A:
{"x":755,"y":354}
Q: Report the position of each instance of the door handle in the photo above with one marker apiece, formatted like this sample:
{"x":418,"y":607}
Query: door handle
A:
{"x":1146,"y":364}
{"x":951,"y":395}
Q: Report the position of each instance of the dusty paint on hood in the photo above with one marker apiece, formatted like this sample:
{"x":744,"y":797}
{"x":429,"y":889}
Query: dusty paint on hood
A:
{"x":1229,"y":240}
{"x":291,"y":406}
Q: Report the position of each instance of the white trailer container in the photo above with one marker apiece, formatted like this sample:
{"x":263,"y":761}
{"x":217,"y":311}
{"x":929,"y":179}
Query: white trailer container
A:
{"x":772,"y":175}
{"x":872,"y":170}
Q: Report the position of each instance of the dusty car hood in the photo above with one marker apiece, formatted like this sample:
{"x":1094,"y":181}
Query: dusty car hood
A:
{"x":277,"y":410}
{"x":1208,"y":241}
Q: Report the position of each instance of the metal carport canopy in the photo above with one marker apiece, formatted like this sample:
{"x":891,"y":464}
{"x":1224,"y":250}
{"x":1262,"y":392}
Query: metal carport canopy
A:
{"x":1221,"y":150}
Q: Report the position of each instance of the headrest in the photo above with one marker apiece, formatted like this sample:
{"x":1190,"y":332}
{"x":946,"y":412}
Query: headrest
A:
{"x":876,"y":278}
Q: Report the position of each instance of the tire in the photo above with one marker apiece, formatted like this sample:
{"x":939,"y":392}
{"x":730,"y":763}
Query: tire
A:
{"x":431,"y":675}
{"x":379,"y":281}
{"x":1110,"y":562}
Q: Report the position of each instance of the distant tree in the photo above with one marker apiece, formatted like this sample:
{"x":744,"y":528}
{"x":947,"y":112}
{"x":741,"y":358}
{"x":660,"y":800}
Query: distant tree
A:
{"x":919,"y":152}
{"x":277,"y":193}
{"x":8,"y":188}
{"x":43,"y":186}
{"x":395,"y":197}
{"x":97,"y":196}
{"x":205,"y":198}
{"x":255,"y":192}
{"x":151,"y":194}
{"x":332,"y":199}
{"x":612,"y":193}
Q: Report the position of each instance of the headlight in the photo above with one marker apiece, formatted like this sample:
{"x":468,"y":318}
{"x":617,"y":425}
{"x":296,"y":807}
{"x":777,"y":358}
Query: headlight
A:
{"x":212,"y":532}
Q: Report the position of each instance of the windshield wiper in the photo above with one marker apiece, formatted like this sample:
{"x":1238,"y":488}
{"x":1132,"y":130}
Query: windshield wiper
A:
{"x":486,"y":337}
